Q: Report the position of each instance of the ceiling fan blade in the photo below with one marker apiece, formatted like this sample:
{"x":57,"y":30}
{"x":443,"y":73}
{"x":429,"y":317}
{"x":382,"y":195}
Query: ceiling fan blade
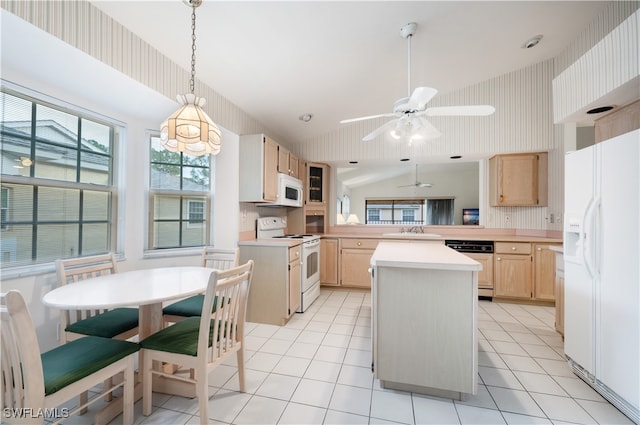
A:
{"x":470,"y":110}
{"x":378,"y":131}
{"x":420,"y":97}
{"x":370,"y":117}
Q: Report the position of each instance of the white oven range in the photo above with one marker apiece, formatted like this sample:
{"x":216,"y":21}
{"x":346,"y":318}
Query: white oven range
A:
{"x":274,"y":227}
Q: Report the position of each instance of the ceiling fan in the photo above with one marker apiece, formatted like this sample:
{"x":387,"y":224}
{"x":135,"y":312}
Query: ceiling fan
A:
{"x":410,"y":112}
{"x":417,"y":183}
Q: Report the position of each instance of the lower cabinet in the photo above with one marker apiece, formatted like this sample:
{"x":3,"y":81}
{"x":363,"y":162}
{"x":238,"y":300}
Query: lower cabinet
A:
{"x":559,"y":293}
{"x":275,"y":291}
{"x":329,"y":262}
{"x":295,"y":280}
{"x":525,"y":271}
{"x":513,"y":270}
{"x":355,"y":262}
{"x":544,"y":273}
{"x":485,"y":276}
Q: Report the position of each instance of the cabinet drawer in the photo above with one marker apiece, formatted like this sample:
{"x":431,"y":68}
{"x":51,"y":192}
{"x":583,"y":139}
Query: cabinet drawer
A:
{"x":359,"y":243}
{"x":294,"y":253}
{"x":513,"y":248}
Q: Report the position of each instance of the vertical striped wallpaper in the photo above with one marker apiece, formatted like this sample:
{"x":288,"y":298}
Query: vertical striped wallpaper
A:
{"x":609,"y":64}
{"x":523,"y":122}
{"x":523,"y":99}
{"x":87,"y":28}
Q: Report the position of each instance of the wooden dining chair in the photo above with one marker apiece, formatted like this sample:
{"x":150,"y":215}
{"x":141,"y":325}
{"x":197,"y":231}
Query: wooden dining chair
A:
{"x":118,"y":323}
{"x":202,"y":342}
{"x":34,"y":384}
{"x":215,"y":258}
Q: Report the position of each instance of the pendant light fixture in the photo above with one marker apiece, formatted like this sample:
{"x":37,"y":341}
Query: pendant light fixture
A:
{"x":189,"y":129}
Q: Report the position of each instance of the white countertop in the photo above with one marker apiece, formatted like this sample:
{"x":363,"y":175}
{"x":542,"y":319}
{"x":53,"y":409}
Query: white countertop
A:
{"x":275,"y":242}
{"x":416,"y":255}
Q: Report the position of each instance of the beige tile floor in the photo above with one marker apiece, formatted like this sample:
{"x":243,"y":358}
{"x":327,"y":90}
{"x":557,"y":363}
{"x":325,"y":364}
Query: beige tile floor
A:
{"x":316,"y":370}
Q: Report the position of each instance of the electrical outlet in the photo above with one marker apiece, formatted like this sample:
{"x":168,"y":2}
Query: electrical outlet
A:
{"x":551,"y":218}
{"x":559,"y":218}
{"x":507,"y":218}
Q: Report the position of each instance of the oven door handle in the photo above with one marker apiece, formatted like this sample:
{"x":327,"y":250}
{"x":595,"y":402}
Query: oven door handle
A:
{"x":311,"y":244}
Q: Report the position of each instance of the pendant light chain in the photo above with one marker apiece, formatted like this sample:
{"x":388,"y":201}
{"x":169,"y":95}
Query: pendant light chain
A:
{"x":193,"y":50}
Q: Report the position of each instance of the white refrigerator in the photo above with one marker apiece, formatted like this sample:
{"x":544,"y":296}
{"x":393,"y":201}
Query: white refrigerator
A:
{"x":602,"y":268}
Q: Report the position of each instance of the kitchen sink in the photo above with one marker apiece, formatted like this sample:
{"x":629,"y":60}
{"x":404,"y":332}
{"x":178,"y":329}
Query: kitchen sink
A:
{"x":414,"y":235}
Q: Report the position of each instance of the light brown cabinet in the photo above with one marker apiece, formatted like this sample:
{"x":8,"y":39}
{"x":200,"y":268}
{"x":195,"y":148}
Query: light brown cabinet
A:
{"x":258,"y":169}
{"x":559,"y":293}
{"x":513,"y":270}
{"x":329,"y":262}
{"x":525,"y":271}
{"x":316,"y":184}
{"x":355,"y":262}
{"x":295,"y":281}
{"x":485,"y":276}
{"x":518,"y":179}
{"x":288,"y":163}
{"x":544,"y":273}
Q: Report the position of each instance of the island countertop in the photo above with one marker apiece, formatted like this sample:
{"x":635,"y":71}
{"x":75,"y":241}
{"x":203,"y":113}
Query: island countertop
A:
{"x":417,"y":255}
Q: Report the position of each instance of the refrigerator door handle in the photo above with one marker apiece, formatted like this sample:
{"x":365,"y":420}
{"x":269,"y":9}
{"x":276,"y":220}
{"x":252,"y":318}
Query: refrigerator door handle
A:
{"x":588,"y":235}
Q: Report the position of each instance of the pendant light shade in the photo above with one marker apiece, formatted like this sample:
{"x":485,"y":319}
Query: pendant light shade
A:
{"x":190,"y":130}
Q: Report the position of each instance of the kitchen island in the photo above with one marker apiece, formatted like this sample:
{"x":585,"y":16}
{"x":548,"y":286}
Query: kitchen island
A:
{"x":424,"y":318}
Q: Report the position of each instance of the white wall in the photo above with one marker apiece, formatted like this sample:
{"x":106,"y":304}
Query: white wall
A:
{"x":139,"y":110}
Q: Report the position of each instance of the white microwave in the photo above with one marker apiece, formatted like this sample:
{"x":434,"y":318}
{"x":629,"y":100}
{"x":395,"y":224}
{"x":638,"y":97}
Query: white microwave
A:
{"x":289,"y":191}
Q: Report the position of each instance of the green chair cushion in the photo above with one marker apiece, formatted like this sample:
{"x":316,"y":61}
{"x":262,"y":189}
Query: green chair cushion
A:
{"x":108,"y":324}
{"x":77,"y":359}
{"x":180,"y":338}
{"x":188,"y":307}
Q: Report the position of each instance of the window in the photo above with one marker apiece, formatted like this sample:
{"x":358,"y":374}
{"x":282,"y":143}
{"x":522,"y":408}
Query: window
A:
{"x":410,"y":211}
{"x":179,"y":202}
{"x":395,"y":211}
{"x":58,"y":197}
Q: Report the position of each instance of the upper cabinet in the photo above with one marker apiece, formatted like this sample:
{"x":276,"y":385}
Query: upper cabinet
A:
{"x":317,"y":182}
{"x":258,"y":168}
{"x":288,"y":163}
{"x":518,"y":180}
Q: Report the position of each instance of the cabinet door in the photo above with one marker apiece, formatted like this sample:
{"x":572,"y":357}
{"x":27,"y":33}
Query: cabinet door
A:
{"x":283,"y":160}
{"x":518,"y":179}
{"x":544,"y":273}
{"x":354,"y":267}
{"x":485,"y":276}
{"x":270,"y":176}
{"x":513,"y":276}
{"x":560,"y":302}
{"x":294,"y":165}
{"x":295,"y":287}
{"x":317,"y":183}
{"x":329,"y":261}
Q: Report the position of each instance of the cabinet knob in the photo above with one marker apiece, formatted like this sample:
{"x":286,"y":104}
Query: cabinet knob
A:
{"x":513,"y":248}
{"x":498,"y":259}
{"x":359,"y":243}
{"x":539,"y":249}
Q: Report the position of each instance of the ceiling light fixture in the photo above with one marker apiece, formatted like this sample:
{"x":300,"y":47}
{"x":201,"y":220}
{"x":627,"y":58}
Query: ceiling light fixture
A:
{"x":532,"y":42}
{"x":189,"y":129}
{"x":305,"y":117}
{"x":600,"y":110}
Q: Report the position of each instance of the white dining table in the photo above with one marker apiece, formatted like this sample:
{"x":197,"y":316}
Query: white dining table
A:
{"x":146,"y":289}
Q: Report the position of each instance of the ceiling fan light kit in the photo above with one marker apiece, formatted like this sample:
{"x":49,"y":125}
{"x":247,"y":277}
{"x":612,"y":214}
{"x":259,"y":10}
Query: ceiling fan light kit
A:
{"x":410,"y":112}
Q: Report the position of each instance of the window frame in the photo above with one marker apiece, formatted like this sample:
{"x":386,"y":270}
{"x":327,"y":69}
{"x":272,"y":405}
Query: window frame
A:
{"x":150,"y":251}
{"x":114,"y":188}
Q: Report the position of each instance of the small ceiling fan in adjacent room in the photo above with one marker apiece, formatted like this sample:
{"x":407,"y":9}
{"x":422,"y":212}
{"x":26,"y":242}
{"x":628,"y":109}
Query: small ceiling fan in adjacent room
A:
{"x":410,"y":112}
{"x":417,"y":183}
